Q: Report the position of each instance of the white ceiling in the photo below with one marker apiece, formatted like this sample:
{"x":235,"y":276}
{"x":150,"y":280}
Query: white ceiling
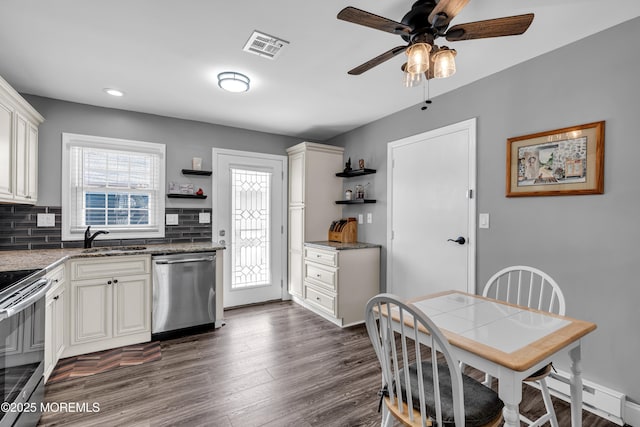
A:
{"x":165,"y":55}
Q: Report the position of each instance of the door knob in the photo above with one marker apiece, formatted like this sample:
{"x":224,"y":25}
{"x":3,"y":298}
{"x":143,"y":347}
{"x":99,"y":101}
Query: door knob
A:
{"x":460,"y":240}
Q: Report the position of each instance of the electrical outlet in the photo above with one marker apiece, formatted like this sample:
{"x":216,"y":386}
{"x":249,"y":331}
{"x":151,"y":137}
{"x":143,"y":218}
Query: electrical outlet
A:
{"x":46,"y":220}
{"x":204,"y":218}
{"x":369,"y":218}
{"x":360,"y":219}
{"x":171,"y":219}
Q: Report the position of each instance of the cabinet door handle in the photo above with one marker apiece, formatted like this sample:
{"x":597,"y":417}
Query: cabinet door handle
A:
{"x":109,"y":282}
{"x":56,"y":297}
{"x":318,"y":275}
{"x":115,"y":280}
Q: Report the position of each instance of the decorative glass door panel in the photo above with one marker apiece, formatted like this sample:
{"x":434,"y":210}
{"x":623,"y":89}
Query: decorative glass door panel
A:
{"x":250,"y":230}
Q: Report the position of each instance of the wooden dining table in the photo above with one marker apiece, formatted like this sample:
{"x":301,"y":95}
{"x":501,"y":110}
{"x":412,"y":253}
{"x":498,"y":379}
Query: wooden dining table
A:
{"x":509,"y":342}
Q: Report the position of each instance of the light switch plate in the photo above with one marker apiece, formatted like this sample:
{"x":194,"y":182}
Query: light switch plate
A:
{"x":204,"y":218}
{"x":360,"y":219}
{"x":483,"y":220}
{"x":46,"y":220}
{"x":171,"y":219}
{"x":369,"y":218}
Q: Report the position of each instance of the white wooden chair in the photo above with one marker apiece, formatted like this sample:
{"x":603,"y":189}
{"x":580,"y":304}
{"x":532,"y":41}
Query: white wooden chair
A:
{"x":421,"y":390}
{"x":533,"y":288}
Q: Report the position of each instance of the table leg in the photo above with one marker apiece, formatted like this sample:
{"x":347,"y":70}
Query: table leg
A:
{"x":510,"y":391}
{"x":576,"y":386}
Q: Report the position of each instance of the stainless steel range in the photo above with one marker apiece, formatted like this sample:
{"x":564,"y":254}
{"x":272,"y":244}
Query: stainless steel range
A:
{"x":22,"y":323}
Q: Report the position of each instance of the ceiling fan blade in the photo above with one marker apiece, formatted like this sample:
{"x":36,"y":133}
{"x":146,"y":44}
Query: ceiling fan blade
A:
{"x":377,"y":60}
{"x":361,"y":17}
{"x":445,"y":11}
{"x":509,"y":26}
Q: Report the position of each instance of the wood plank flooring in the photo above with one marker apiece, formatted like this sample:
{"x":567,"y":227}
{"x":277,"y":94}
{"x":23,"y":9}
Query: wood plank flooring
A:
{"x":272,"y":365}
{"x":107,"y":360}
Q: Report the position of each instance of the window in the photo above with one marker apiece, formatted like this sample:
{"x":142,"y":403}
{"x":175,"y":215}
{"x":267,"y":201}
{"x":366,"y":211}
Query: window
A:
{"x":114,"y":185}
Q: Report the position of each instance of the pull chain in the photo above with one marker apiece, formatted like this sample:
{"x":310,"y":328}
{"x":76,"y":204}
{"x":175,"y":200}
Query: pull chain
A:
{"x":426,"y":96}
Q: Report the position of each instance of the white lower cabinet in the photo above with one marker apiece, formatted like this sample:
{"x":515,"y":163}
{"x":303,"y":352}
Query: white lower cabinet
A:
{"x":338,"y":283}
{"x":55,"y":324}
{"x":110,"y":303}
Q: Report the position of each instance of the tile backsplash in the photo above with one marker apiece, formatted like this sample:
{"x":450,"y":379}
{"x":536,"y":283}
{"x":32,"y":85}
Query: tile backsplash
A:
{"x":19,"y":230}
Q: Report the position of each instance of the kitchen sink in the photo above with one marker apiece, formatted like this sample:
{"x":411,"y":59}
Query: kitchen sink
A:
{"x":114,"y":249}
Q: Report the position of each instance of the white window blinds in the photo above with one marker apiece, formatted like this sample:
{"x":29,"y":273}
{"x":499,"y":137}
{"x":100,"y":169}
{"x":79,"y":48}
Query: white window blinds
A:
{"x":112,"y":185}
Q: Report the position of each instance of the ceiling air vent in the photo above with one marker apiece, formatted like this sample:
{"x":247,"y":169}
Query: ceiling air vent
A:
{"x":264,"y":45}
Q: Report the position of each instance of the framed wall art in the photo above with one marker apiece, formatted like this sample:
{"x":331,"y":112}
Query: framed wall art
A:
{"x":567,"y":161}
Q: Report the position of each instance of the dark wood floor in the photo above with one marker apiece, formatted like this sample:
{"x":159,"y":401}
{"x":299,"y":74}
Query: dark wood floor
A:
{"x":271,"y":365}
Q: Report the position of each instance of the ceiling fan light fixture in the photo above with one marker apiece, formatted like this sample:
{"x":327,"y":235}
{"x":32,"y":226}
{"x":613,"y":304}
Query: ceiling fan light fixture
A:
{"x":233,"y":82}
{"x":410,"y":79}
{"x":444,"y":63}
{"x":418,"y":58}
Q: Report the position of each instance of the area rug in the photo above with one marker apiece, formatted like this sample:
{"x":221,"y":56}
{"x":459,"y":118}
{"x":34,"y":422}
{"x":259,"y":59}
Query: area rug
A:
{"x":103,"y":361}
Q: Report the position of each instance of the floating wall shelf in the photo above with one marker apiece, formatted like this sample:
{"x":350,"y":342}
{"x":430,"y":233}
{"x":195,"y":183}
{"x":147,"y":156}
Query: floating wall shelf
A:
{"x":196,"y":172}
{"x":185,"y":196}
{"x":354,"y":202}
{"x":355,"y":172}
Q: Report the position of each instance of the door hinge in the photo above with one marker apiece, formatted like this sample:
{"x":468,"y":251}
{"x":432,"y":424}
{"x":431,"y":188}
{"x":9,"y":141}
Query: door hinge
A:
{"x":393,"y":234}
{"x":469,"y":194}
{"x":282,"y":175}
{"x":281,"y":283}
{"x":282,"y":229}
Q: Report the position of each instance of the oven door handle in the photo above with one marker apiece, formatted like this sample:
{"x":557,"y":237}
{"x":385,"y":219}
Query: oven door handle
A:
{"x":16,"y":308}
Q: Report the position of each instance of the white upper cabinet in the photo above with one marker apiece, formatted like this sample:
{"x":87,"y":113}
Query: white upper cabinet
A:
{"x":19,"y":123}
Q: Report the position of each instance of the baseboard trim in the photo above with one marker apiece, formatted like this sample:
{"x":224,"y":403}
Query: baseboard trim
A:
{"x":632,"y":413}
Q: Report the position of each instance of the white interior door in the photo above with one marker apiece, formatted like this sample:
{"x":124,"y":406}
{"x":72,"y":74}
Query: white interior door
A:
{"x":250,"y":220}
{"x":430,"y":205}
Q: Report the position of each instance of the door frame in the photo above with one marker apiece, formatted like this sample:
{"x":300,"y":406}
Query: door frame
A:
{"x":215,"y":198}
{"x":470,"y":126}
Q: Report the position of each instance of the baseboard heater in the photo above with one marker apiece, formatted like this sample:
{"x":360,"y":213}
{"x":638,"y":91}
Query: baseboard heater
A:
{"x":604,"y":402}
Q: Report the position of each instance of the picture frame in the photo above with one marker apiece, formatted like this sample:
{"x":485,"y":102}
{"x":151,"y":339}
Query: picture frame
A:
{"x":568,"y":161}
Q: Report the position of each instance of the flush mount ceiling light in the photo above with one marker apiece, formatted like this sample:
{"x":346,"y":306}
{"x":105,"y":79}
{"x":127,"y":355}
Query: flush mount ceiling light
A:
{"x":233,"y":82}
{"x":421,"y":26}
{"x":113,"y":92}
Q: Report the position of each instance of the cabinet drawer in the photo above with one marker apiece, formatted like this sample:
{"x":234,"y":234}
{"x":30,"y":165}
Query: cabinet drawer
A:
{"x":322,"y":257}
{"x":101,"y":267}
{"x":321,"y":300}
{"x":56,"y":276}
{"x":320,"y":276}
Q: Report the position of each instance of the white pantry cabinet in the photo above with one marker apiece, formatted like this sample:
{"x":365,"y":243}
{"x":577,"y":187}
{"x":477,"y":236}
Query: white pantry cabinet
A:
{"x":19,"y":123}
{"x":313,"y":190}
{"x":55,"y":323}
{"x":110,"y":303}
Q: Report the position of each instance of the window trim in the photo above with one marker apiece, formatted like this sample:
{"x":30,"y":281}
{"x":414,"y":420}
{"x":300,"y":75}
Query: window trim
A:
{"x":70,"y":140}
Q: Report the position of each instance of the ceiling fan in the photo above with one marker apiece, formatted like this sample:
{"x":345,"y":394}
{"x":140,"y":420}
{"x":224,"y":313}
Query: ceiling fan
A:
{"x":421,"y":26}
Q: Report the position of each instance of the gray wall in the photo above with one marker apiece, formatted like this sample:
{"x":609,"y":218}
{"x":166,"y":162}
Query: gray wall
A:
{"x":589,"y":244}
{"x":184,"y":140}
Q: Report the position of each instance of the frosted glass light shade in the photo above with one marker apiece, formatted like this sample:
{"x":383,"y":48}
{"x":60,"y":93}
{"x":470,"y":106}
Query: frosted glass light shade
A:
{"x":444,"y":63}
{"x":233,"y":82}
{"x":418,"y":58}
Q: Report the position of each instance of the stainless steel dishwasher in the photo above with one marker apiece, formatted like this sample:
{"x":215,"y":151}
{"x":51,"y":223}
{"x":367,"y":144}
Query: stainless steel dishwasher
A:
{"x":184,"y":291}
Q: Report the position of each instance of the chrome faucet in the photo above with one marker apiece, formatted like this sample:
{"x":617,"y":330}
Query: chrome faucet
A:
{"x":88,"y":237}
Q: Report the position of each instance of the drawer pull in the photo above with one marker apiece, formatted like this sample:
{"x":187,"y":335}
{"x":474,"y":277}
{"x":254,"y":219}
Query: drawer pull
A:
{"x":318,"y":256}
{"x":318,"y":275}
{"x":318,"y":298}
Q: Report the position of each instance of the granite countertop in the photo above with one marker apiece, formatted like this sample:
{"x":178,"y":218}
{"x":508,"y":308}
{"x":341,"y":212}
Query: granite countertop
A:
{"x":337,"y":246}
{"x":50,"y":258}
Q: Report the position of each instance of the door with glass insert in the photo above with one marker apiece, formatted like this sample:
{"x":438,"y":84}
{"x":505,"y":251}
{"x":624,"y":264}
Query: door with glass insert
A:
{"x":249,"y":219}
